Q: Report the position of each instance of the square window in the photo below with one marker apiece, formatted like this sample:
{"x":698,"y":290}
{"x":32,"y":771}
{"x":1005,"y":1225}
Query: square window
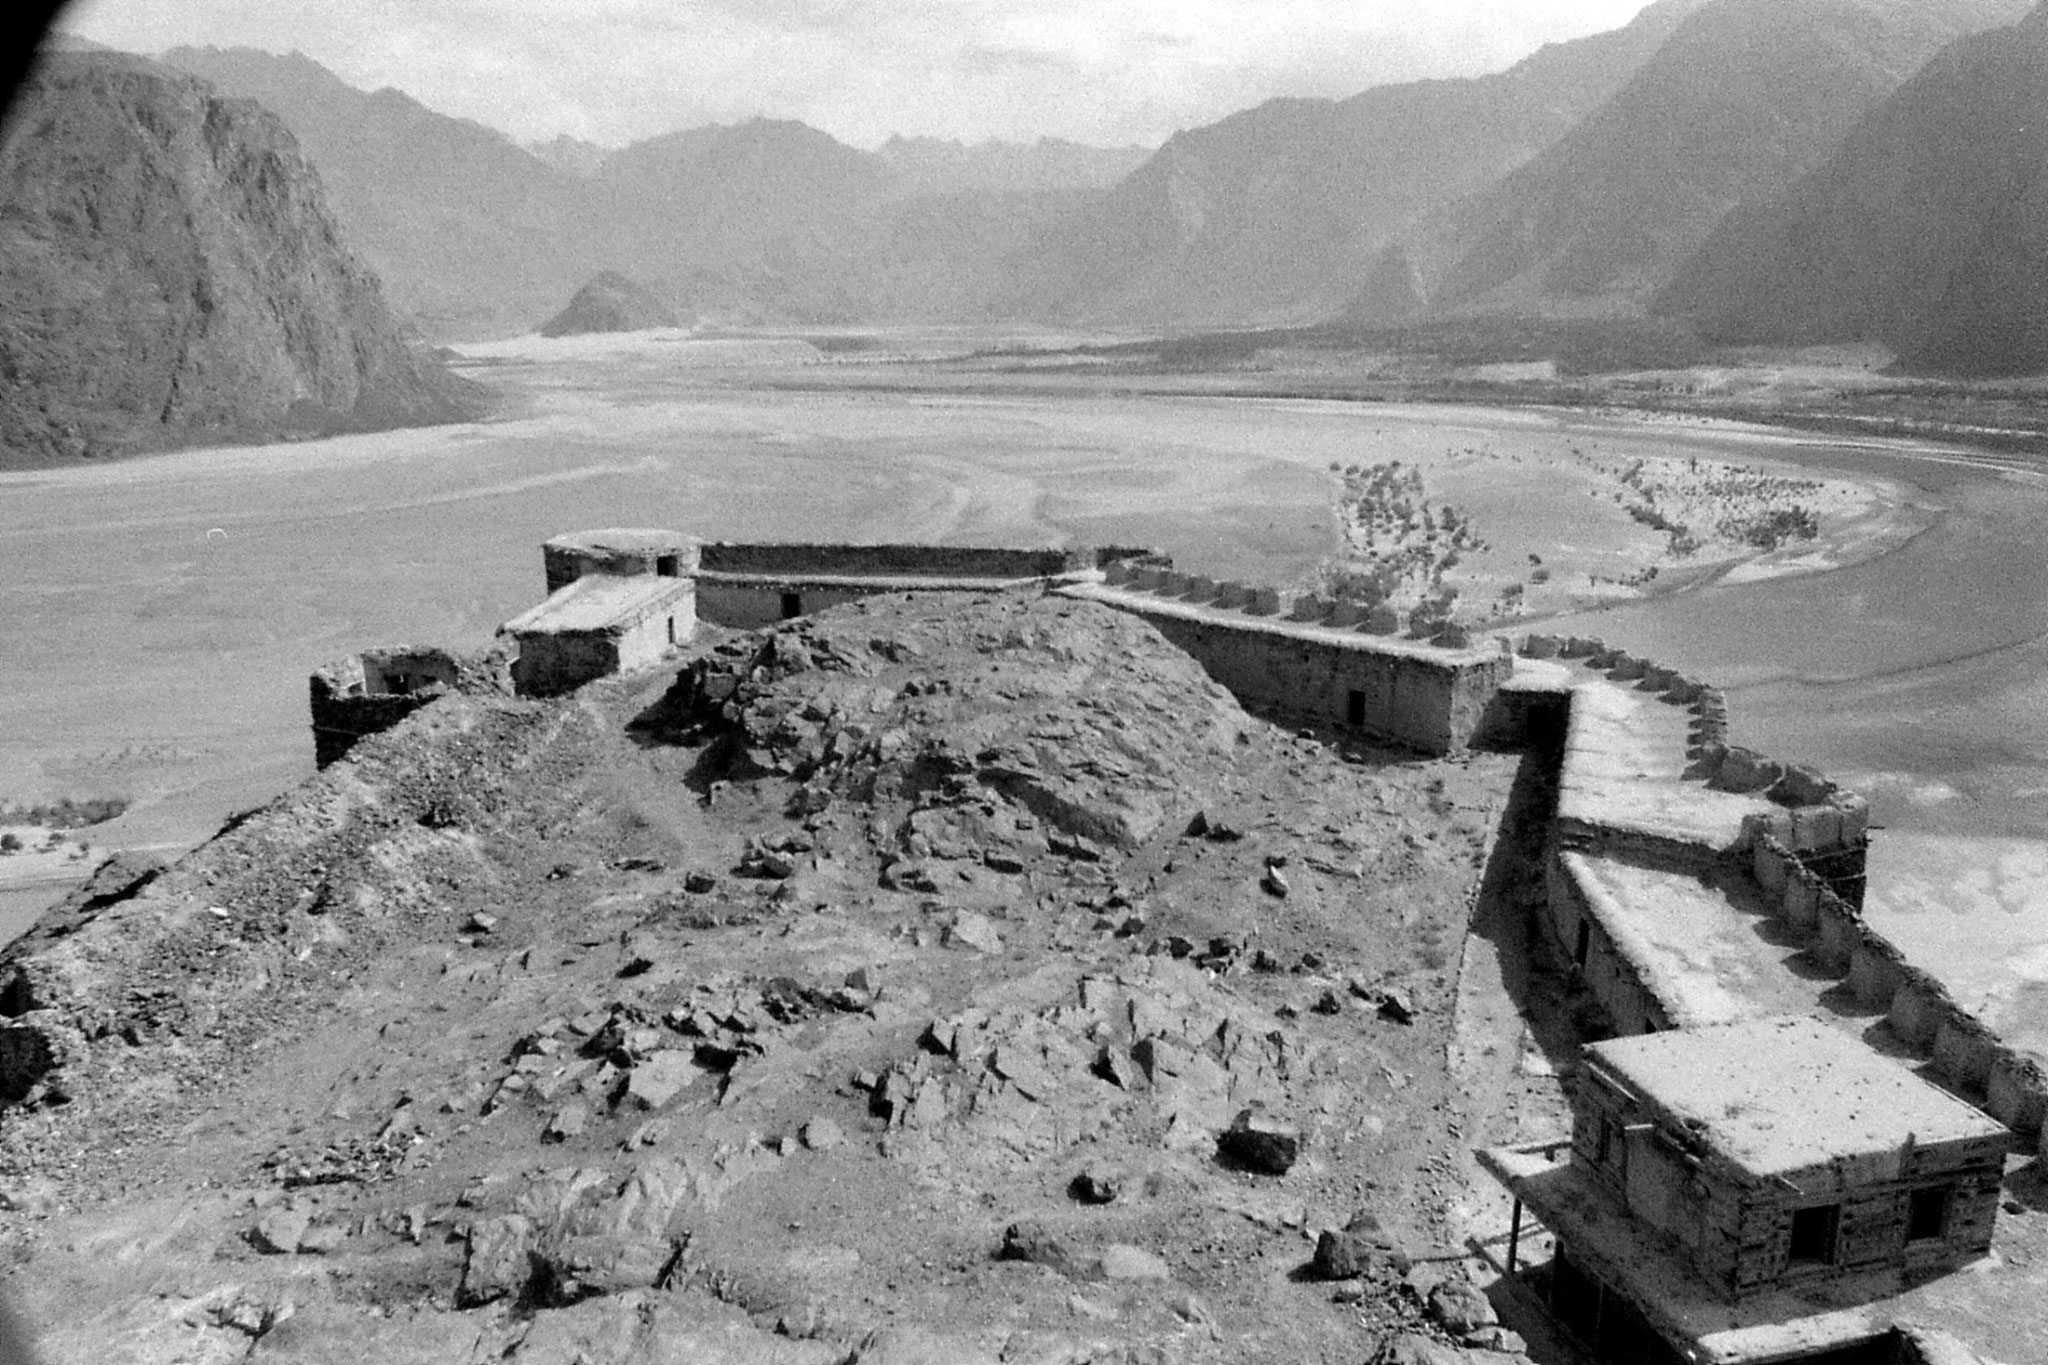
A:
{"x":1927,"y":1213}
{"x":1814,"y":1234}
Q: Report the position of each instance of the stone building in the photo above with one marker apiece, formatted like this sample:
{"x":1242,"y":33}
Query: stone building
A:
{"x":1753,"y":1192}
{"x":598,"y":626}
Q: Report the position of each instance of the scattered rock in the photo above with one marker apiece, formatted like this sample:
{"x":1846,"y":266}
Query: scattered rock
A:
{"x":659,"y":1078}
{"x":1359,"y":1248}
{"x":1261,"y":1143}
{"x":481,"y":923}
{"x":969,"y":930}
{"x":822,"y":1135}
{"x":1274,"y":883}
{"x":1496,"y":1339}
{"x":1124,"y":1262}
{"x":569,"y":1122}
{"x":1412,"y":1348}
{"x":699,"y":883}
{"x":1031,"y":1242}
{"x":1397,"y":1006}
{"x":280,"y":1229}
{"x":1095,"y":1187}
{"x":323,"y":1238}
{"x":1461,"y":1307}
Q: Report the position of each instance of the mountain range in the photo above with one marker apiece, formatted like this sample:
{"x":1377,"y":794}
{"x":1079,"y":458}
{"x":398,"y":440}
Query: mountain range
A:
{"x":1682,"y":165}
{"x":1927,"y":229}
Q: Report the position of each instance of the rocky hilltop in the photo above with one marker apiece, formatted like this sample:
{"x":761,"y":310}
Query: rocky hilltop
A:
{"x":944,"y":980}
{"x":610,"y":303}
{"x":1928,"y":230}
{"x":170,"y":273}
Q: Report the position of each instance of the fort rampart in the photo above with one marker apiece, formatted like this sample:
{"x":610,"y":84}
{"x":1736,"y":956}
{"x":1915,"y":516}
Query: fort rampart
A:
{"x":1430,"y":697}
{"x":1797,"y":856}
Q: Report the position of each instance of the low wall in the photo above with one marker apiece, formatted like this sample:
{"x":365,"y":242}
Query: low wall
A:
{"x":890,"y":561}
{"x":1434,"y":700}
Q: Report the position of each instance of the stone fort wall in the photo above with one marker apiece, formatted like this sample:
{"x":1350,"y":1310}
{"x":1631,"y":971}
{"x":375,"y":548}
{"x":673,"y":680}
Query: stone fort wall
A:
{"x":1803,"y":858}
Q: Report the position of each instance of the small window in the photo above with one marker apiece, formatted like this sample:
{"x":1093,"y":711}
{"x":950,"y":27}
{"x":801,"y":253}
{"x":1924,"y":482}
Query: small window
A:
{"x":792,"y":605}
{"x":1927,"y":1213}
{"x":1814,"y":1234}
{"x":1614,"y":1145}
{"x":667,"y":566}
{"x":671,"y":630}
{"x":1354,"y":711}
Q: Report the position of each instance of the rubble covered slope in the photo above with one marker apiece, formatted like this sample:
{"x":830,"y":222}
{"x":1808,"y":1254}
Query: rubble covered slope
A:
{"x":934,"y":979}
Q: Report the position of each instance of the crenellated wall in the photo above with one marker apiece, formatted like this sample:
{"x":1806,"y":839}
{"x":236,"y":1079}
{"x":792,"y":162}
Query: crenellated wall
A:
{"x":810,"y":561}
{"x":1344,"y":670}
{"x":1801,"y":848}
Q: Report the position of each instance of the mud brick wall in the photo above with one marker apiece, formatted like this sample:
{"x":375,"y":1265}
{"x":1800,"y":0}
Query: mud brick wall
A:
{"x":755,"y":606}
{"x":884,"y":561}
{"x":1436,"y":706}
{"x":567,"y":560}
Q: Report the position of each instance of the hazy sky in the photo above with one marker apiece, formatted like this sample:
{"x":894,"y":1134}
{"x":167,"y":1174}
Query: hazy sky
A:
{"x":1104,"y":71}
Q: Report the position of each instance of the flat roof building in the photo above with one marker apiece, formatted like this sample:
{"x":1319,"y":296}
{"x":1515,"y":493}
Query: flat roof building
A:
{"x":1752,"y":1192}
{"x":598,"y":626}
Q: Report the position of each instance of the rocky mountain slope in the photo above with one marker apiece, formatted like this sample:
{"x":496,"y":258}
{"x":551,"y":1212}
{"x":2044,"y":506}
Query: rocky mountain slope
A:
{"x":471,"y":234}
{"x":1278,"y":211}
{"x":170,"y":273}
{"x":1928,"y":230}
{"x":1745,"y":97}
{"x":610,"y":303}
{"x":961,"y":981}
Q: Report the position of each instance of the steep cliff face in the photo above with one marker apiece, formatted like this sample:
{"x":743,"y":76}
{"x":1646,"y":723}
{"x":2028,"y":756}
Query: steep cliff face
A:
{"x":1928,"y":231}
{"x":169,"y":274}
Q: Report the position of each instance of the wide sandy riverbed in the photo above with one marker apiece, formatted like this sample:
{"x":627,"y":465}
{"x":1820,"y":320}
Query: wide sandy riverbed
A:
{"x":163,"y":613}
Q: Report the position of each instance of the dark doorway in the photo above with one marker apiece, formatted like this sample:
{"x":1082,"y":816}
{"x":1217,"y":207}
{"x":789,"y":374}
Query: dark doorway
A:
{"x":1584,"y":945}
{"x":792,"y":605}
{"x":1354,"y":709}
{"x":667,"y":566}
{"x":1927,"y":1214}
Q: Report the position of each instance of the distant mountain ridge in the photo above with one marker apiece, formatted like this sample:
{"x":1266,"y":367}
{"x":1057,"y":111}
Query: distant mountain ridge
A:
{"x":170,"y":273}
{"x":1744,"y":97}
{"x":1928,"y":230}
{"x":762,"y":221}
{"x":1275,"y":213}
{"x":1593,"y":180}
